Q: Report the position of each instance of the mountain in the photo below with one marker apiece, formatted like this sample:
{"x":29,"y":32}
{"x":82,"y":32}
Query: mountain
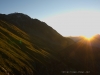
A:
{"x":95,"y":40}
{"x":75,"y":38}
{"x":36,"y":28}
{"x":83,"y":55}
{"x":29,"y":46}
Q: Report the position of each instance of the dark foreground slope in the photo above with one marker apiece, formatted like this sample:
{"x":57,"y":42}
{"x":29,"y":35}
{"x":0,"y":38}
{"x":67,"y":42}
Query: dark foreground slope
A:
{"x":29,"y":47}
{"x":82,"y":57}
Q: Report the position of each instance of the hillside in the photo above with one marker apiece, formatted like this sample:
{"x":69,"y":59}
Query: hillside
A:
{"x":83,"y":56}
{"x":29,"y":46}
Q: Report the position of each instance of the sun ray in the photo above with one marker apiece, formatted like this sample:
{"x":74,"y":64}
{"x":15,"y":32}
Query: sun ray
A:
{"x":88,"y":38}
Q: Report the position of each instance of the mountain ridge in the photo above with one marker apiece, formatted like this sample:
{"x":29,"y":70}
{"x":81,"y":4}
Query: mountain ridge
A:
{"x":29,"y":50}
{"x":35,"y":27}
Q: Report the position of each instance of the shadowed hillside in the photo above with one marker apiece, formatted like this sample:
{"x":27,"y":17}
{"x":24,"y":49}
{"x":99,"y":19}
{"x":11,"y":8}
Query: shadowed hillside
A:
{"x":29,"y":46}
{"x":83,"y":56}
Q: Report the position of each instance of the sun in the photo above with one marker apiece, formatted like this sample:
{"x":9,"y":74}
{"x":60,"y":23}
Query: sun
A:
{"x":89,"y":38}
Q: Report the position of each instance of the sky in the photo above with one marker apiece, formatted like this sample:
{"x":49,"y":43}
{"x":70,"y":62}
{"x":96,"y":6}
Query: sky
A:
{"x":67,"y":17}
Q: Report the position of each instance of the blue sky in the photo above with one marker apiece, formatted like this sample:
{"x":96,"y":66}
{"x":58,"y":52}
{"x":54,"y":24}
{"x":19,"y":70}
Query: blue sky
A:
{"x":43,"y":9}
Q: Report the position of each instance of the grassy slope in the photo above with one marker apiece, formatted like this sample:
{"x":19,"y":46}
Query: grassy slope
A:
{"x":17,"y":52}
{"x":21,"y":53}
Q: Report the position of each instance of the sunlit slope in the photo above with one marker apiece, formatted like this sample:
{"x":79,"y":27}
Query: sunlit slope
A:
{"x":17,"y":53}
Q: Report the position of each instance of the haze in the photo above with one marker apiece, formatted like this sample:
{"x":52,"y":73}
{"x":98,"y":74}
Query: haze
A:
{"x":79,"y":23}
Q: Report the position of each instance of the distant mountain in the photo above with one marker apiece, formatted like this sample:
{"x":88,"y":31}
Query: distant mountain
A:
{"x":76,"y":39}
{"x":29,"y":46}
{"x":95,"y":41}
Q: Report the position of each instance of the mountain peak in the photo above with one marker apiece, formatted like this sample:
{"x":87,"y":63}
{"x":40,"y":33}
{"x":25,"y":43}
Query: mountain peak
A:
{"x":18,"y":15}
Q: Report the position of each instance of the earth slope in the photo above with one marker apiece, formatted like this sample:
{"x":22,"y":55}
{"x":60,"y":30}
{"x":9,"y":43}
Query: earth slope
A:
{"x":29,"y":46}
{"x":83,"y":57}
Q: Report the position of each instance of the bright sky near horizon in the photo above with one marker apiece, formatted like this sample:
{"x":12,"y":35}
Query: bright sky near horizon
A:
{"x":68,"y":17}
